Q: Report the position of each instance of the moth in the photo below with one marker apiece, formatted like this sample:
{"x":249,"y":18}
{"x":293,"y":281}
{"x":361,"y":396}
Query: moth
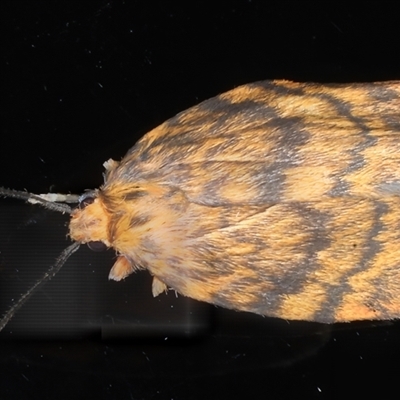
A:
{"x":276,"y":198}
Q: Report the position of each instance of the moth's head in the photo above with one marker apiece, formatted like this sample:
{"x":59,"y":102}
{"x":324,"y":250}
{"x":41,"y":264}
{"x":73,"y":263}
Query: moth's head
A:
{"x":89,"y":222}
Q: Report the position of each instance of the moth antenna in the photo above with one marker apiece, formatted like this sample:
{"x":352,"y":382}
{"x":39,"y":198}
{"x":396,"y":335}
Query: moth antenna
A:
{"x":52,"y":271}
{"x":49,"y":201}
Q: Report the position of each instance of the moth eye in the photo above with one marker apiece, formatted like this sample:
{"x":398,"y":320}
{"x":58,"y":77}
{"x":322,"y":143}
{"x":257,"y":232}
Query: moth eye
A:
{"x":85,"y":201}
{"x":97,"y":245}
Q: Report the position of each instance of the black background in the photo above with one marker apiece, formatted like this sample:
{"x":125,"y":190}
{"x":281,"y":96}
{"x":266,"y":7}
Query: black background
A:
{"x":81,"y":82}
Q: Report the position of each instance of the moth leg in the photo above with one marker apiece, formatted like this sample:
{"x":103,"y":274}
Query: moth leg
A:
{"x":121,"y":269}
{"x":158,"y":287}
